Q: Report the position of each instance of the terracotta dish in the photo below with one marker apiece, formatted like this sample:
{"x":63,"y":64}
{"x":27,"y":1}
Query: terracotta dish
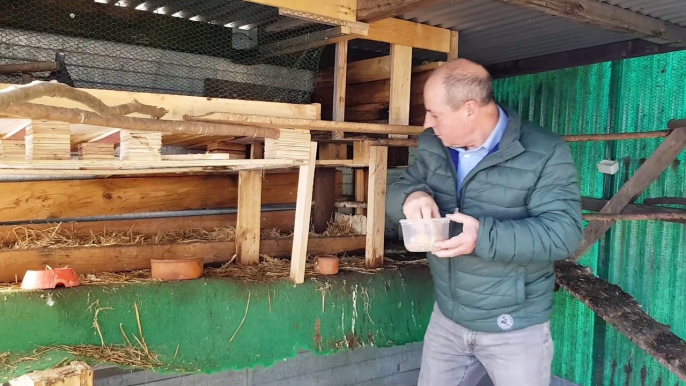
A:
{"x":326,"y":264}
{"x":50,"y":278}
{"x":178,"y":269}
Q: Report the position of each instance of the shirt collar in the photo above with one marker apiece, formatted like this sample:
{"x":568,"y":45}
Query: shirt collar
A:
{"x":495,"y":136}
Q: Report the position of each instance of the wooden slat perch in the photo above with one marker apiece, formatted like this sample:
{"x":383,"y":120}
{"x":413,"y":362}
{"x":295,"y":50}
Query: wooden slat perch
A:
{"x":23,"y":93}
{"x":77,"y":116}
{"x":622,"y":311}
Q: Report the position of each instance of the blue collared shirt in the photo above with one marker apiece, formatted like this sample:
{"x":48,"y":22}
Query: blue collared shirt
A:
{"x":466,"y":160}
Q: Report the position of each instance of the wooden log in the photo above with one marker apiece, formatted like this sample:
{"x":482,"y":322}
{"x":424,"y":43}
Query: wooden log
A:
{"x":301,"y":227}
{"x":663,"y":156}
{"x":665,"y":201}
{"x":28,"y":67}
{"x":615,"y":136}
{"x":376,"y":204}
{"x":181,"y":105}
{"x":248,"y":226}
{"x":132,"y":257}
{"x":24,"y":93}
{"x":624,"y":313}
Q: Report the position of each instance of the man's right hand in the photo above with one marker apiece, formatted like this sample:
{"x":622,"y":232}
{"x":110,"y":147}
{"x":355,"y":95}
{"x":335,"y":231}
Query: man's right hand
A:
{"x":419,"y":205}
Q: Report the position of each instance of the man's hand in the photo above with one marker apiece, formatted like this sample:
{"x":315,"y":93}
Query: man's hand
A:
{"x":462,"y":244}
{"x":419,"y":205}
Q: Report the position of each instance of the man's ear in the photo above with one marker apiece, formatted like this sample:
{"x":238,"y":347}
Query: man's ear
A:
{"x":472,"y":108}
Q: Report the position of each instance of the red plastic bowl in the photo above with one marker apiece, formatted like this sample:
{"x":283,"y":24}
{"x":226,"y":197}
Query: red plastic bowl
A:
{"x":49,"y":278}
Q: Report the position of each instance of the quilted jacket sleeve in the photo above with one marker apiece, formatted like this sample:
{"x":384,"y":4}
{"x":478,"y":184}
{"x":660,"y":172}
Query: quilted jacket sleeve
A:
{"x":552,"y":232}
{"x":412,"y":180}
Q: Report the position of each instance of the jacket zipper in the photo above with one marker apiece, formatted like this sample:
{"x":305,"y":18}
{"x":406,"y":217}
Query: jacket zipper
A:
{"x":450,"y":261}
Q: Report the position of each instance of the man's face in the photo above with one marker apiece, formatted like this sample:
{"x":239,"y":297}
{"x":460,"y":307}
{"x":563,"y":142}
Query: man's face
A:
{"x":453,"y":127}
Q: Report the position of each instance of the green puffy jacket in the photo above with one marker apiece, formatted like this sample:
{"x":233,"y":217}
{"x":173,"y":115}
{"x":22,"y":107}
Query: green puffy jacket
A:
{"x":528,"y":203}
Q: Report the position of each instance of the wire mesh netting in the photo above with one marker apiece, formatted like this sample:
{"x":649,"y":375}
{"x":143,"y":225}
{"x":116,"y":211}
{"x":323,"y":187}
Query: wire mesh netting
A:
{"x":213,"y":48}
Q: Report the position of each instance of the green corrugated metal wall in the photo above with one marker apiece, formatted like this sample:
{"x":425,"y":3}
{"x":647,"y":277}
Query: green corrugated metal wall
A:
{"x":647,"y":259}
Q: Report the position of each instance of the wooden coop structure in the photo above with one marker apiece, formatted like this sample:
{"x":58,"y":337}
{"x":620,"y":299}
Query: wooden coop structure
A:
{"x":60,"y":143}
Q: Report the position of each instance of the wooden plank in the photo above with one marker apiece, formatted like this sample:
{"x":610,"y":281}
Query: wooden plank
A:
{"x":324,"y":198}
{"x":663,"y":156}
{"x":307,"y":124}
{"x":181,"y":105}
{"x":309,"y":41}
{"x":369,"y":70}
{"x":454,"y":45}
{"x":609,"y":17}
{"x":624,"y":313}
{"x":374,"y":10}
{"x":359,"y":27}
{"x":401,"y":78}
{"x":149,"y":227}
{"x":339,"y":85}
{"x":345,"y":10}
{"x":376,"y":205}
{"x":303,"y":208}
{"x":248,"y":224}
{"x":39,"y":200}
{"x":132,"y":257}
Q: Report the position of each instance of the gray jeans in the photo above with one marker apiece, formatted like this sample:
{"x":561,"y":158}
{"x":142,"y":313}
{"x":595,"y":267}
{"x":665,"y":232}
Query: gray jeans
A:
{"x":455,"y":356}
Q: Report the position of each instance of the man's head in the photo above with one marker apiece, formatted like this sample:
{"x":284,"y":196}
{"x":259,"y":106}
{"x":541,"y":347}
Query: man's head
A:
{"x":458,"y":97}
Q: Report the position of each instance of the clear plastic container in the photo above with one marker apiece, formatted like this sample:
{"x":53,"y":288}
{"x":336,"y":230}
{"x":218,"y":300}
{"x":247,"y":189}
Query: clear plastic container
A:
{"x":420,"y":235}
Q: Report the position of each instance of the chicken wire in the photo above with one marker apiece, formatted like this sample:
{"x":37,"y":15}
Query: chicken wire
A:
{"x":212,"y":48}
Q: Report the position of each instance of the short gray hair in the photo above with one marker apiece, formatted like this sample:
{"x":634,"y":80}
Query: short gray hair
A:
{"x":464,"y":86}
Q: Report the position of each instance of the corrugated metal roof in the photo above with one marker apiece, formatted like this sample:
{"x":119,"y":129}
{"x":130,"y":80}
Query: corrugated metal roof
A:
{"x":494,"y":32}
{"x":673,"y":11}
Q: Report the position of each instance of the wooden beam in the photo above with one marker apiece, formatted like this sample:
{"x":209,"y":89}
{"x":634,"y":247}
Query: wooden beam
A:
{"x":609,"y":17}
{"x":392,"y":31}
{"x":411,"y":34}
{"x":361,"y":154}
{"x":369,"y":70}
{"x":663,"y":156}
{"x":86,"y":260}
{"x":345,"y":10}
{"x":248,"y":224}
{"x":303,"y":208}
{"x":374,"y":10}
{"x":597,"y":205}
{"x":357,"y":26}
{"x":376,"y":205}
{"x":307,"y":124}
{"x":624,"y":313}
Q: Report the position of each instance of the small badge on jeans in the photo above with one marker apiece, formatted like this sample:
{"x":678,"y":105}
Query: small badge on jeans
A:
{"x":505,"y":321}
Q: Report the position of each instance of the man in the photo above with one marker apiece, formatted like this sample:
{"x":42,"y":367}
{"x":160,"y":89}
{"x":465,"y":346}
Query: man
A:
{"x":510,"y":189}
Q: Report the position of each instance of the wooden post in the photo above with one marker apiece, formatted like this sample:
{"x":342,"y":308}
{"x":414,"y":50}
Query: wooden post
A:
{"x":303,"y":208}
{"x":249,"y":214}
{"x":401,"y":77}
{"x":454,"y":45}
{"x":663,"y":156}
{"x":376,"y":213}
{"x":361,"y":154}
